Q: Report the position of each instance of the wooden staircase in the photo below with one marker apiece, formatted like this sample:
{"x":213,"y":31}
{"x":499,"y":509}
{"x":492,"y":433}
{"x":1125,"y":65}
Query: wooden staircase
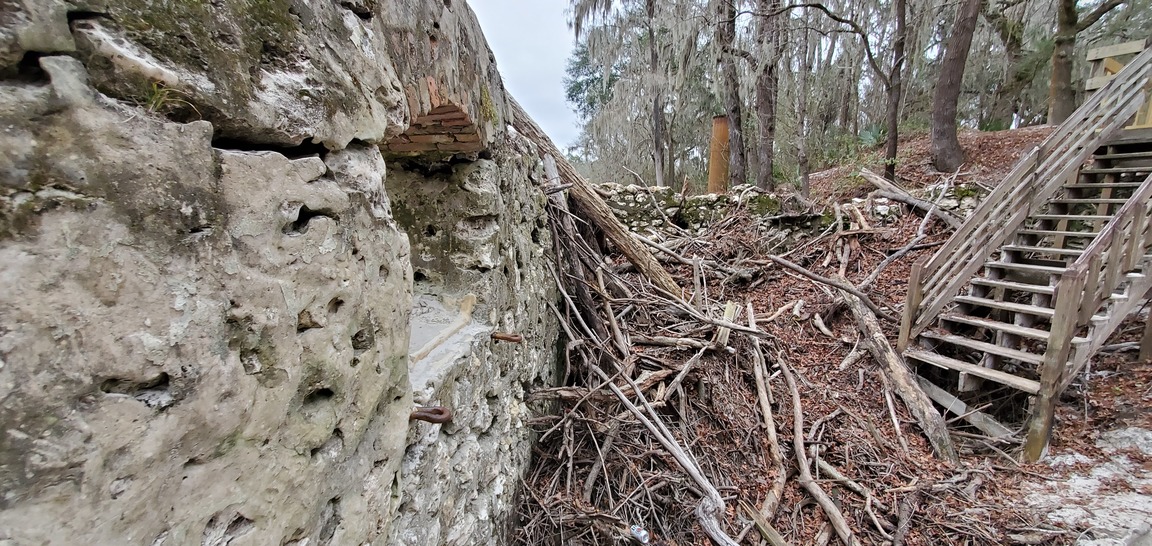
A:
{"x":1045,"y":269}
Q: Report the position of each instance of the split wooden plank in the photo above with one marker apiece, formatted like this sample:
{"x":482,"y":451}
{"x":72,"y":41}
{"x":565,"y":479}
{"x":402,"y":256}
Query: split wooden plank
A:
{"x":982,"y":421}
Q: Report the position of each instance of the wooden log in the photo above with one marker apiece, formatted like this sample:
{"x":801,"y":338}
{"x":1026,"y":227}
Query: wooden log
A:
{"x":597,"y":211}
{"x":896,"y":193}
{"x":902,"y":379}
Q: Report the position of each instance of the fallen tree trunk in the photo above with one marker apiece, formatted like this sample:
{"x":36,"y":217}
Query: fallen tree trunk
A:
{"x":896,"y":193}
{"x":904,"y":382}
{"x":597,"y":211}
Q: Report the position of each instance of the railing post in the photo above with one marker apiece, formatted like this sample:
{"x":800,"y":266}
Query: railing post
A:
{"x":1068,"y":297}
{"x":911,"y":304}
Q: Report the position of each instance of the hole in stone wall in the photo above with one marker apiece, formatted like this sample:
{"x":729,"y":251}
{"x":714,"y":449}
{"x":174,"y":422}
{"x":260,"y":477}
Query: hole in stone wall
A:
{"x":299,"y":226}
{"x":224,"y":527}
{"x":80,"y":15}
{"x":305,"y":321}
{"x":362,"y":11}
{"x":319,"y":396}
{"x":419,"y":276}
{"x":307,"y":148}
{"x":155,"y":393}
{"x":335,"y":305}
{"x":329,"y":521}
{"x":431,"y":231}
{"x":28,"y":69}
{"x":331,"y":447}
{"x":363,"y":340}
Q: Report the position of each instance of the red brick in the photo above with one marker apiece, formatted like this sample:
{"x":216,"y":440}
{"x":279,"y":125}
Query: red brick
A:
{"x":462,"y":147}
{"x":433,"y":93}
{"x":433,"y":139}
{"x":411,"y":147}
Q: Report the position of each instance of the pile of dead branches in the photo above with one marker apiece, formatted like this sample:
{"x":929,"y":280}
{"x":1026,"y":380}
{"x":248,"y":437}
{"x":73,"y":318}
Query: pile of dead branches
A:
{"x":755,"y":402}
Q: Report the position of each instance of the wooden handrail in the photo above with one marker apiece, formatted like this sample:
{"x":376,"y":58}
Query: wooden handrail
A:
{"x":1038,"y":175}
{"x":1110,"y":254}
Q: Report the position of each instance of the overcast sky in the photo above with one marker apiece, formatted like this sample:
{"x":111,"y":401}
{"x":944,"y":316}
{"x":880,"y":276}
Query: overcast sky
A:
{"x":531,"y":41}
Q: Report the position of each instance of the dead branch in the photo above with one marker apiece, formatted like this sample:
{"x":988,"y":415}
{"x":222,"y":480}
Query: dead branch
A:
{"x":835,"y":517}
{"x":896,"y":193}
{"x":598,"y":212}
{"x":930,"y":420}
{"x":835,"y":284}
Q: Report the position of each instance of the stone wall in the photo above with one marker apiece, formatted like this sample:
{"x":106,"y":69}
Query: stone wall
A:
{"x":221,"y":301}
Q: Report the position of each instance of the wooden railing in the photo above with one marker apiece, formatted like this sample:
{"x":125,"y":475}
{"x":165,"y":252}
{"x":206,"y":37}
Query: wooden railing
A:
{"x":1105,"y":62}
{"x":1035,"y":178}
{"x":1120,"y":248}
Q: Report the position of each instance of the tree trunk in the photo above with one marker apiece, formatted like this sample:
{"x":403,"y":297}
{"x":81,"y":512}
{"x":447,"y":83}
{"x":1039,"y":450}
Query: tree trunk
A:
{"x":947,"y":155}
{"x":659,"y":156}
{"x":726,"y":30}
{"x":802,"y":107}
{"x":895,"y":89}
{"x":767,"y":34}
{"x":1006,"y":101}
{"x":1061,"y":95}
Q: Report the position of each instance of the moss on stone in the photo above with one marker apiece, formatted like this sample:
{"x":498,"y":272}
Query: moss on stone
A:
{"x":763,"y":205}
{"x":486,"y":105}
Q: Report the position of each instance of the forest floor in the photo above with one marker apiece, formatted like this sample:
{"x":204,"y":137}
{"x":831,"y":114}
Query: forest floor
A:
{"x":731,"y":402}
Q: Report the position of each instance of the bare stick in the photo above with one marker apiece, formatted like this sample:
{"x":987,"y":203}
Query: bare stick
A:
{"x":835,"y":517}
{"x":772,"y":499}
{"x":833,"y":283}
{"x":711,"y":507}
{"x":896,"y":371}
{"x":598,"y":212}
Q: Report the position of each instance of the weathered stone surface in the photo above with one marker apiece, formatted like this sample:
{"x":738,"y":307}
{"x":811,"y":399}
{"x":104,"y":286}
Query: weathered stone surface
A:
{"x":264,"y":71}
{"x":477,"y":229}
{"x":160,"y":382}
{"x":205,"y":328}
{"x":31,"y":26}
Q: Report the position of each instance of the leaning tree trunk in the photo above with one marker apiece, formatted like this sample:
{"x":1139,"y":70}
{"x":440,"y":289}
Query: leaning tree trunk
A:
{"x":1061,"y":95}
{"x":895,"y":90}
{"x":947,"y":155}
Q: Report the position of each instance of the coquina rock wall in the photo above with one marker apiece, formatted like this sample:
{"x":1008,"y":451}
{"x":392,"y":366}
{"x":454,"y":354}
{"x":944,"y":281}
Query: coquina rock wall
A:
{"x":240,"y":241}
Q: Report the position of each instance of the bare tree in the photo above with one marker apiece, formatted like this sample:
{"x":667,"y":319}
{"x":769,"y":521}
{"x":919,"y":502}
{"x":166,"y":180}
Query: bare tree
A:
{"x":1061,"y":94}
{"x":947,"y":155}
{"x":730,"y":82}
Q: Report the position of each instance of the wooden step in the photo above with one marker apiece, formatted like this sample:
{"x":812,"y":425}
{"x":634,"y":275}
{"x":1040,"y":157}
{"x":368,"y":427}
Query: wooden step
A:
{"x":1115,"y":170}
{"x":1022,"y":331}
{"x":1054,"y":233}
{"x":1038,"y":311}
{"x":1043,"y":249}
{"x":1019,"y":383}
{"x":1047,"y":269}
{"x":1082,"y":217}
{"x":1007,"y":352}
{"x":1121,"y":156}
{"x":1089,"y":201}
{"x":1102,"y":185}
{"x":1017,"y":286}
{"x":1008,"y":328}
